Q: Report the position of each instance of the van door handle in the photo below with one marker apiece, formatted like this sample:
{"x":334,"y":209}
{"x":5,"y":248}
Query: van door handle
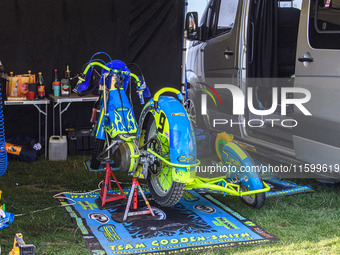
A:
{"x":306,"y":59}
{"x":228,"y":53}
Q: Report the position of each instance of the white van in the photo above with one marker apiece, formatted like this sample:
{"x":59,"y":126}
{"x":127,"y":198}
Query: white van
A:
{"x":262,"y":44}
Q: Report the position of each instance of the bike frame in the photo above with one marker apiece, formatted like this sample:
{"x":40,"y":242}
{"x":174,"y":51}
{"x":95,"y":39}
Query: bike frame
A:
{"x":173,"y":125}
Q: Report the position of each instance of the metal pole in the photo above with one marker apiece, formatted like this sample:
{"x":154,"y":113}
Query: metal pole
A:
{"x":46,"y":130}
{"x":39,"y":125}
{"x":53,"y":116}
{"x":104,"y":93}
{"x":184,"y":54}
{"x":60,"y":124}
{"x":129,"y":202}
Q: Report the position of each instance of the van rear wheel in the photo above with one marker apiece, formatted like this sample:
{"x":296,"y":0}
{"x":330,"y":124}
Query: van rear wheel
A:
{"x":193,"y":108}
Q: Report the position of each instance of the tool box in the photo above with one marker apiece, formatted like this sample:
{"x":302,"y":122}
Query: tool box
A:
{"x":80,"y":141}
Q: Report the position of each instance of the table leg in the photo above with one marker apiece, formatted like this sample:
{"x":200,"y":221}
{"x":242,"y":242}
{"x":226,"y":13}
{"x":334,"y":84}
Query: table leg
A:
{"x":46,"y":118}
{"x":39,"y":125}
{"x":53,"y":116}
{"x":60,"y":124}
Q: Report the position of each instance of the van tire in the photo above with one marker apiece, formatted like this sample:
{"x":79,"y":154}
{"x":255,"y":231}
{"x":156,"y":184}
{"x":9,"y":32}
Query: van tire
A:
{"x":194,"y":110}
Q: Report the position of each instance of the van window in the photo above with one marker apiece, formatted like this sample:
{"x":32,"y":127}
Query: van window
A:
{"x":324,"y":24}
{"x":227,"y":15}
{"x":211,"y":21}
{"x":208,"y":20}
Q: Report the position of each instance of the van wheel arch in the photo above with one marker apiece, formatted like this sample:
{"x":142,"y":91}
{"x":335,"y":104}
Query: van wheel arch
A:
{"x":193,"y":108}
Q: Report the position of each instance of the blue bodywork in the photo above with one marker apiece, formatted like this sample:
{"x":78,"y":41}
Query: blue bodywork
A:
{"x":117,"y":65}
{"x":181,"y":134}
{"x":120,"y":119}
{"x":234,"y":156}
{"x":86,"y":83}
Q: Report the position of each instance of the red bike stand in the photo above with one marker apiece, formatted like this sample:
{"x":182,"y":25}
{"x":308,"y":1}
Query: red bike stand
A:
{"x":106,"y":198}
{"x":133,"y":199}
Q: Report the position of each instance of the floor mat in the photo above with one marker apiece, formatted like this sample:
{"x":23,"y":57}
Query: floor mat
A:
{"x":277,"y":187}
{"x":283,"y":187}
{"x":198,"y":222}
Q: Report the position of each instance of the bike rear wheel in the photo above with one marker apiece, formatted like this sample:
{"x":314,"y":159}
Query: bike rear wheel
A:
{"x":163,"y":188}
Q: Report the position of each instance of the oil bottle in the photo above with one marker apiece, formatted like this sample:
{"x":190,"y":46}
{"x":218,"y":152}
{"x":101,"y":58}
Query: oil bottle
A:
{"x":66,"y":84}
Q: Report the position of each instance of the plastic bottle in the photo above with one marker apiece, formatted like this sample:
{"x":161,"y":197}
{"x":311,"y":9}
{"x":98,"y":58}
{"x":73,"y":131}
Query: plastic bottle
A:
{"x":55,"y":75}
{"x":31,"y":77}
{"x":68,"y":77}
{"x":56,"y":84}
{"x":65,"y":84}
{"x":41,"y":86}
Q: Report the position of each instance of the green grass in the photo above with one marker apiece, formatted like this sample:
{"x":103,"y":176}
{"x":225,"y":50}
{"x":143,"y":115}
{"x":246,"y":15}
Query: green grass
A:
{"x":305,"y":223}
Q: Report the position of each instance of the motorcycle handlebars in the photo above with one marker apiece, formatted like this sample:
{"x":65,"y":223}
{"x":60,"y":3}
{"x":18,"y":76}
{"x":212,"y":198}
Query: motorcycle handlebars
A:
{"x":140,"y":84}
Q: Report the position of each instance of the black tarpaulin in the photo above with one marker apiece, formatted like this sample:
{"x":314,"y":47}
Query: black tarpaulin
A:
{"x":43,"y":35}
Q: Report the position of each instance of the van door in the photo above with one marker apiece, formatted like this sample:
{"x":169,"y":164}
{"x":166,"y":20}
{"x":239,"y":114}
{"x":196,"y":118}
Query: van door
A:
{"x":221,"y":57}
{"x":317,"y":138}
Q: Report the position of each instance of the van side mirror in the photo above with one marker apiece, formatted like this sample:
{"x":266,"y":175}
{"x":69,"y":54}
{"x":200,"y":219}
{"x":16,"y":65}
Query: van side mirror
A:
{"x":191,"y":26}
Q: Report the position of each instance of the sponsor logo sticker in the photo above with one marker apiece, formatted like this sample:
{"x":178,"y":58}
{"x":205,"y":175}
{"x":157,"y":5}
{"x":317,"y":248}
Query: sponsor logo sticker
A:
{"x":205,"y":208}
{"x":109,"y":232}
{"x":99,"y":217}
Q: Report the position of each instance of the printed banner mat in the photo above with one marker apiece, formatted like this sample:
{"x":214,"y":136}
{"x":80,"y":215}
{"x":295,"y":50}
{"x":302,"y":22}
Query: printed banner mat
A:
{"x":277,"y":187}
{"x":283,"y":187}
{"x":198,"y":222}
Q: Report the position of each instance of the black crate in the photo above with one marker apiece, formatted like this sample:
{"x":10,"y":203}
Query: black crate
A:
{"x":79,"y":141}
